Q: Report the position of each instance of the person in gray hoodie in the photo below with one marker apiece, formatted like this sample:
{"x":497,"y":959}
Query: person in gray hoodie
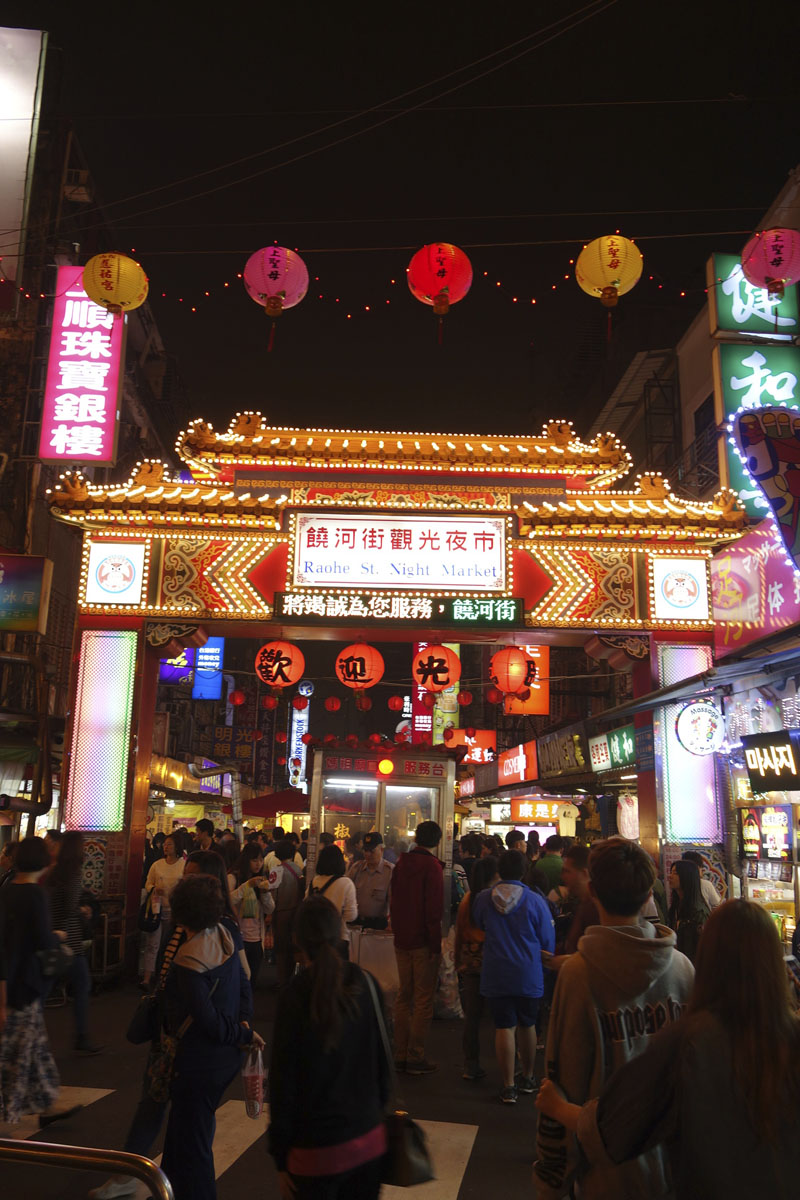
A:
{"x":518,"y":927}
{"x":625,"y":983}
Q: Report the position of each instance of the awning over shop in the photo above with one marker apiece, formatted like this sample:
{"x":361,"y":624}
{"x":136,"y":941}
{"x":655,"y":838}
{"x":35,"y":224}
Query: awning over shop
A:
{"x":290,"y":800}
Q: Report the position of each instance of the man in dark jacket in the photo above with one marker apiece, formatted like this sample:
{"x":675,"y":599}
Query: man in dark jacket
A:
{"x":416,"y":913}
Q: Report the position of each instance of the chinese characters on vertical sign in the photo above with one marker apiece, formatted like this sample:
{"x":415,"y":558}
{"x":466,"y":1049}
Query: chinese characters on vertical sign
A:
{"x":81,"y":399}
{"x":739,"y":307}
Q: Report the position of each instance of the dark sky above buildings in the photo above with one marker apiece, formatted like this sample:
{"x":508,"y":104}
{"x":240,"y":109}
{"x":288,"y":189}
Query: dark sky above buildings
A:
{"x":674,"y":123}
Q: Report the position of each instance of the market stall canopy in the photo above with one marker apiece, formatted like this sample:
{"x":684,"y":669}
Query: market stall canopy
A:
{"x":287,"y":801}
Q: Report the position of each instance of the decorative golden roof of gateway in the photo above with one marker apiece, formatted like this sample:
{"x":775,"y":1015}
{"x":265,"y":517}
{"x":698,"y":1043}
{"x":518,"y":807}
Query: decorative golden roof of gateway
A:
{"x":651,"y":511}
{"x":249,"y":442}
{"x":150,"y":498}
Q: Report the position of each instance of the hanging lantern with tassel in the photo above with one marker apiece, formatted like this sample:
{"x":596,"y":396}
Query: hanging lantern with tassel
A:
{"x":607,"y":268}
{"x":115,"y":282}
{"x":439,"y":275}
{"x":771,"y":260}
{"x":277,"y":279}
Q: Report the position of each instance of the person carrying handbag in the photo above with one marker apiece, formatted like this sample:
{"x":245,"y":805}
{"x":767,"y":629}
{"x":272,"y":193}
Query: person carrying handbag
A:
{"x":329,"y":1073}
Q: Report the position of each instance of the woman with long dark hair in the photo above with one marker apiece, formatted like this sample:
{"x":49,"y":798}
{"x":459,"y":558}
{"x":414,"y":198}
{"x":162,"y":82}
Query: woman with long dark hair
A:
{"x":28,"y":1075}
{"x":206,"y":997}
{"x":252,"y":901}
{"x":331,"y":882}
{"x":64,"y":888}
{"x":688,"y":912}
{"x":164,"y":873}
{"x":469,"y":959}
{"x":721,"y":1087}
{"x":329,"y":1078}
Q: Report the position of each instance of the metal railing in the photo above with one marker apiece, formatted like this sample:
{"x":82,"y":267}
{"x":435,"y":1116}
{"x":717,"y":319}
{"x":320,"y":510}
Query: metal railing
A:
{"x":87,"y":1158}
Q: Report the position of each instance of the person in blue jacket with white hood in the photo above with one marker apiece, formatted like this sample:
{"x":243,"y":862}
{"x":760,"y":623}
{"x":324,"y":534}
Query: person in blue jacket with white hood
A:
{"x":519,"y":927}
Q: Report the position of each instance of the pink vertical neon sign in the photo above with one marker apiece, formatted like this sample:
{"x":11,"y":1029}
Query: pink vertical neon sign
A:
{"x":81,"y":396}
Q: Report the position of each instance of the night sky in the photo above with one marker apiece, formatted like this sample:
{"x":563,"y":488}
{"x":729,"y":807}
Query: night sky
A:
{"x":674,"y":123}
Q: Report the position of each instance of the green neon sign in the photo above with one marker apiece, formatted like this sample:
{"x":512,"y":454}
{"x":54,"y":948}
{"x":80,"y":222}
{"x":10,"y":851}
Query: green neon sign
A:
{"x":737,"y":307}
{"x":752,"y":375}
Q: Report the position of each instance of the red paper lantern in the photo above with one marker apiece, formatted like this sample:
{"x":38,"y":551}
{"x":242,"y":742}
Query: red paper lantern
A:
{"x":494,"y":695}
{"x":464,"y":698}
{"x":395,"y":703}
{"x":307,"y":739}
{"x":279,"y":664}
{"x":359,"y":666}
{"x":429,"y":700}
{"x":771,"y":260}
{"x":470,"y":732}
{"x":351,"y":739}
{"x":333,"y":704}
{"x":448,"y":735}
{"x":375,"y":738}
{"x":436,"y":668}
{"x":511,"y":670}
{"x":329,"y":739}
{"x":300,"y":702}
{"x":280,"y":737}
{"x":269,"y":702}
{"x":237,"y":698}
{"x":439,"y":275}
{"x":281,"y":760}
{"x":363,"y":703}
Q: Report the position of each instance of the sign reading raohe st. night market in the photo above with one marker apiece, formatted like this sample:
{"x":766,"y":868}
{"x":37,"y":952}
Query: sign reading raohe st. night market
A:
{"x":420,"y":553}
{"x":322,"y":607}
{"x":753,"y":376}
{"x":738,"y":307}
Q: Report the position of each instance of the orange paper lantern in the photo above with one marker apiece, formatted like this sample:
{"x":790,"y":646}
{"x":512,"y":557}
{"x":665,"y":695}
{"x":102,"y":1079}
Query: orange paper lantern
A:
{"x":511,"y":670}
{"x":436,"y":668}
{"x":279,"y":664}
{"x":359,"y":666}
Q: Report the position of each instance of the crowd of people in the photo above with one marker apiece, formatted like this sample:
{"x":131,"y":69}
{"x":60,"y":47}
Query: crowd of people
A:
{"x":651,"y":1012}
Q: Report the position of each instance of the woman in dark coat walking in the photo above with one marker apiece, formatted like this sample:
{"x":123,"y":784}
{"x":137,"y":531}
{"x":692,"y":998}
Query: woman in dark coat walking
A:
{"x":329,"y":1077}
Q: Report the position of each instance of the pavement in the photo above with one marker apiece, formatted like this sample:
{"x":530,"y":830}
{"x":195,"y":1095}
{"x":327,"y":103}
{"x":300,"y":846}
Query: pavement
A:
{"x":477,"y":1144}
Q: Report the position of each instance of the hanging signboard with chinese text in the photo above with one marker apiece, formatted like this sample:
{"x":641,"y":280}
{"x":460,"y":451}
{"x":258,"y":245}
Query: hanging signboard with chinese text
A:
{"x":738,"y":307}
{"x":356,"y":608}
{"x":610,"y":751}
{"x":755,"y":590}
{"x":424,"y":553}
{"x":24,"y":592}
{"x":80,"y":417}
{"x":533,"y":810}
{"x":562,"y":753}
{"x":517,"y":765}
{"x":753,"y":376}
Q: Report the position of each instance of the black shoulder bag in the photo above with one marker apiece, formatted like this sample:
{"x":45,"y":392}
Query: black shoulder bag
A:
{"x":407,"y":1160}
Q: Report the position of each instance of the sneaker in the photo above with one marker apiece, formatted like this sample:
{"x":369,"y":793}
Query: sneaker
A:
{"x":83,"y":1046}
{"x":527,"y":1085}
{"x":419,"y":1066}
{"x":473,"y":1073}
{"x":508,"y":1095}
{"x":113,"y":1188}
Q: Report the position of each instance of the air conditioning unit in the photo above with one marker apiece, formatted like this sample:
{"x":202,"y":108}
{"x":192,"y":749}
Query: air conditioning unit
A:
{"x":78,"y":187}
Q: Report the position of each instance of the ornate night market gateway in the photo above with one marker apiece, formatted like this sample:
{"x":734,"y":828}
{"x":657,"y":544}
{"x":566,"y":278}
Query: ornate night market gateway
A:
{"x":338,"y":534}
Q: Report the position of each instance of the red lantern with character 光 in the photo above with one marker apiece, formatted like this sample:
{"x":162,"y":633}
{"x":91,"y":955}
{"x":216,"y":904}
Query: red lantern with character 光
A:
{"x":439,"y":275}
{"x":512,"y":671}
{"x":279,"y":664}
{"x":436,"y":668}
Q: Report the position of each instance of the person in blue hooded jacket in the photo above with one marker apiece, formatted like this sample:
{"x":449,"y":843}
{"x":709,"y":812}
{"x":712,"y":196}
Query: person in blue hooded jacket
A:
{"x":518,"y":927}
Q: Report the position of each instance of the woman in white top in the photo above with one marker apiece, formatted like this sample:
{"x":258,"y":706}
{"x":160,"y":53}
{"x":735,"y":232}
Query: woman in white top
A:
{"x":252,"y":902}
{"x":162,"y":877}
{"x":331,"y":882}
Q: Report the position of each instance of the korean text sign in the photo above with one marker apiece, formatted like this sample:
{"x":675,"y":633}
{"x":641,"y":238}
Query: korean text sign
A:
{"x":419,"y":552}
{"x":81,"y":398}
{"x":773,"y":761}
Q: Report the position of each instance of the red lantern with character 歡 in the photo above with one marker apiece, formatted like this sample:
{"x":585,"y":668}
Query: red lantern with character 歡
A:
{"x":279,"y":664}
{"x":436,"y":668}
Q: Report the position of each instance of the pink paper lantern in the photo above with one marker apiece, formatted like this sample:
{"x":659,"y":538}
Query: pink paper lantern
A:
{"x":771,"y":259}
{"x":276,"y":278}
